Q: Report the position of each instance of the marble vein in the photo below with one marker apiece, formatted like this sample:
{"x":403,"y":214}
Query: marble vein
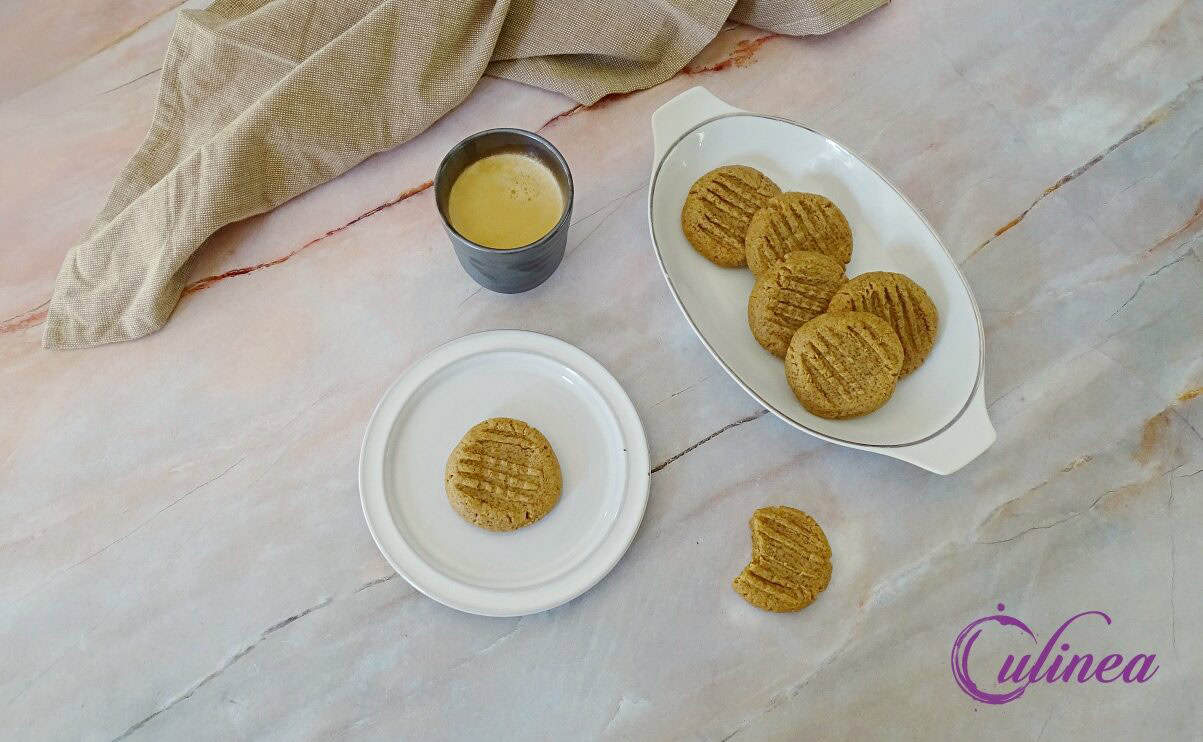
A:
{"x":1055,"y":523}
{"x":1190,"y":223}
{"x":1171,"y":409}
{"x":747,"y":419}
{"x":743,"y":54}
{"x":1095,"y":346}
{"x":1044,"y":726}
{"x":600,"y":223}
{"x":140,"y":525}
{"x":603,"y":207}
{"x":127,"y":83}
{"x":234,"y":658}
{"x":378,"y":581}
{"x":503,"y":638}
{"x":1185,"y":254}
{"x":26,"y":319}
{"x":244,"y":651}
{"x":682,"y":390}
{"x":204,"y":283}
{"x":1152,"y":119}
{"x":792,"y":691}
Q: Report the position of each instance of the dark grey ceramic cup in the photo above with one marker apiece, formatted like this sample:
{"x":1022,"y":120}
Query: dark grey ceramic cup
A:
{"x":522,"y":268}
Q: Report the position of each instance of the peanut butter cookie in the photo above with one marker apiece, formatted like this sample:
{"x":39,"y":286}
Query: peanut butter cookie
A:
{"x":795,"y":290}
{"x":791,"y":560}
{"x":843,"y":364}
{"x":503,"y":475}
{"x":718,"y":208}
{"x":901,"y":302}
{"x":797,"y":221}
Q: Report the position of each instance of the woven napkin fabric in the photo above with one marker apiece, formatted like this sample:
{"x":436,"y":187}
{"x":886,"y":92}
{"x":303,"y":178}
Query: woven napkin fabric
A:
{"x":261,"y":100}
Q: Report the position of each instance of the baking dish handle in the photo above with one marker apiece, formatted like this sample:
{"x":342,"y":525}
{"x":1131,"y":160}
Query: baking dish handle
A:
{"x":963,"y":441}
{"x":681,"y":114}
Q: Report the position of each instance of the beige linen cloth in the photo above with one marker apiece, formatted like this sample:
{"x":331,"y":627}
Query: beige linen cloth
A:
{"x":261,"y":100}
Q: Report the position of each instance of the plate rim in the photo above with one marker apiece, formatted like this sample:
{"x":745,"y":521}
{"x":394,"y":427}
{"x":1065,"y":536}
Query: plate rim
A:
{"x":780,"y":414}
{"x":619,"y":537}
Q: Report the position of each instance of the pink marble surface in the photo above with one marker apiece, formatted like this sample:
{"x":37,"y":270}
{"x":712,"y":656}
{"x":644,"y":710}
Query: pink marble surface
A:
{"x":182,"y":553}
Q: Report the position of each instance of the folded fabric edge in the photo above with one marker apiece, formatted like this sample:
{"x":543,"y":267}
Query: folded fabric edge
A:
{"x":817,"y":23}
{"x":65,"y":332}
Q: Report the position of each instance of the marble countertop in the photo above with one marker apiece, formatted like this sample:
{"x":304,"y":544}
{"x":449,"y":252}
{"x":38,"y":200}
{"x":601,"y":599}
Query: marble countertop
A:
{"x":182,"y":552}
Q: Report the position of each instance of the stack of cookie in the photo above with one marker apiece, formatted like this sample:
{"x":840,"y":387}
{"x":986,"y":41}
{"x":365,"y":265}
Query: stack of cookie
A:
{"x":845,"y":342}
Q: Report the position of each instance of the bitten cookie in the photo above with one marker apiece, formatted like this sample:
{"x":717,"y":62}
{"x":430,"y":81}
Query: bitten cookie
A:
{"x":503,"y":475}
{"x":901,"y":302}
{"x":718,"y":208}
{"x":843,"y":364}
{"x":791,"y":560}
{"x":795,"y":290}
{"x":797,"y":221}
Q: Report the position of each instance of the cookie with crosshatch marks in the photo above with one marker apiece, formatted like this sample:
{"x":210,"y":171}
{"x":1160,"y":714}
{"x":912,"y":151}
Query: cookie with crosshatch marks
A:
{"x":797,"y":221}
{"x":843,"y":364}
{"x":718,"y":208}
{"x":900,"y":301}
{"x":503,"y":475}
{"x":793,"y":292}
{"x":791,"y":560}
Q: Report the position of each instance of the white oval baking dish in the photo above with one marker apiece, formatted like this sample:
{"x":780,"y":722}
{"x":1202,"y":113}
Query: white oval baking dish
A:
{"x":937,"y":417}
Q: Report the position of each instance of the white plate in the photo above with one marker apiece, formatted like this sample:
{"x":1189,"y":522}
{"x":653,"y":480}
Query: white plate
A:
{"x":937,"y":417}
{"x":587,"y":418}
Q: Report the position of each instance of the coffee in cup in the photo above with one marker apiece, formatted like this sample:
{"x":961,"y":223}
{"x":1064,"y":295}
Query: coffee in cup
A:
{"x":504,"y":201}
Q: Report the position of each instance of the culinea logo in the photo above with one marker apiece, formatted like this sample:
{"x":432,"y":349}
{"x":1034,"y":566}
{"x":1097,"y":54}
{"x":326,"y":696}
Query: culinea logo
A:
{"x":1049,"y":666}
